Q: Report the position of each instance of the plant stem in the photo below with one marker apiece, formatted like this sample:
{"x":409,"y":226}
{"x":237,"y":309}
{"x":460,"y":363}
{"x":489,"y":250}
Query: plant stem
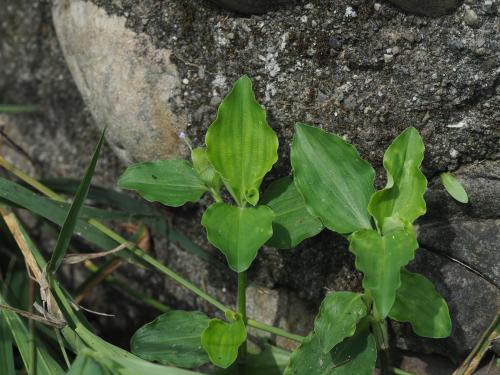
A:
{"x":275,"y":330}
{"x":398,"y":371}
{"x":242,"y":310}
{"x":379,"y":328}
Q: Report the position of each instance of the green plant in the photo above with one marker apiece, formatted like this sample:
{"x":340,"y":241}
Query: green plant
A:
{"x":332,"y":187}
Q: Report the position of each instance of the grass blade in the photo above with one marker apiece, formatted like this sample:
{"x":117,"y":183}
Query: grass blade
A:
{"x":71,"y":220}
{"x":12,"y":108}
{"x":6,"y":353}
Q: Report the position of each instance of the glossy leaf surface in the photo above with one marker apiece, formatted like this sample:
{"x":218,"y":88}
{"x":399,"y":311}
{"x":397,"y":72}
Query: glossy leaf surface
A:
{"x":240,"y":144}
{"x":221,"y":340}
{"x":418,"y":303}
{"x":454,"y":187}
{"x":355,"y":355}
{"x":238,"y":232}
{"x":173,"y":338}
{"x":381,"y":258}
{"x":333,"y":179}
{"x":170,"y":182}
{"x":403,"y":195}
{"x":293,"y":223}
{"x":205,"y":169}
{"x":337,"y":319}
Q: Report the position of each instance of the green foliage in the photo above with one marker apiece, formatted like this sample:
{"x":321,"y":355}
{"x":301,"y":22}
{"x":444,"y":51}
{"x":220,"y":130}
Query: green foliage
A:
{"x":71,"y":220}
{"x":238,"y":232}
{"x":381,"y":258}
{"x":355,"y":355}
{"x":173,"y":338}
{"x":170,"y":182}
{"x":454,"y":187}
{"x":418,"y":303}
{"x":338,"y":316}
{"x":240,"y":144}
{"x":292,"y":222}
{"x":403,"y":196}
{"x":6,"y":352}
{"x":205,"y":169}
{"x":221,"y":340}
{"x":334,"y":181}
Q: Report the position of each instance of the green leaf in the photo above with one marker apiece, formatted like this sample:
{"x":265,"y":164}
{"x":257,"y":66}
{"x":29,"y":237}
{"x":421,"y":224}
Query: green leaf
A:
{"x":333,"y":179}
{"x":45,"y":364}
{"x":6,"y":352}
{"x":381,"y":258}
{"x":170,"y":182}
{"x":418,"y":303}
{"x":240,"y":144}
{"x":338,"y":316}
{"x":205,"y":169}
{"x":12,"y":108}
{"x":454,"y":187}
{"x":221,"y":340}
{"x":173,"y":338}
{"x":238,"y":232}
{"x":292,"y":222}
{"x":271,"y":361}
{"x":84,"y":364}
{"x":71,"y":220}
{"x":355,"y":355}
{"x":403,"y":195}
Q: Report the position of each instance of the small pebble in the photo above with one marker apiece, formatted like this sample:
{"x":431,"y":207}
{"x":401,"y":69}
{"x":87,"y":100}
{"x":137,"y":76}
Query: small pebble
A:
{"x":388,"y":58}
{"x":471,"y":18}
{"x":185,"y":81}
{"x":377,"y":6}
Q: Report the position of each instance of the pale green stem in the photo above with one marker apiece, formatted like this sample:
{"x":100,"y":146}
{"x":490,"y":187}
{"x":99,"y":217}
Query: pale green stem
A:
{"x":242,"y":310}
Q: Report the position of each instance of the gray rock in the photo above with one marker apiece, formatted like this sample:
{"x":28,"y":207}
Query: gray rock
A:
{"x":431,"y":8}
{"x":471,"y":18}
{"x":250,"y":6}
{"x":127,"y":84}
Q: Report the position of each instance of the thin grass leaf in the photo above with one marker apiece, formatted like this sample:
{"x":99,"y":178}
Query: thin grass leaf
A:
{"x":45,"y":364}
{"x":12,"y":108}
{"x":71,"y":220}
{"x":6,"y":353}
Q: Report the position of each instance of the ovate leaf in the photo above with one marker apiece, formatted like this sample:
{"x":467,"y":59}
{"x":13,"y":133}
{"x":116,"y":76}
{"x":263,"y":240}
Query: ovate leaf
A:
{"x":173,"y":338}
{"x":355,"y":355}
{"x":205,"y":169}
{"x":293,"y":223}
{"x":403,"y":195}
{"x":454,"y":187}
{"x":240,"y":144}
{"x":338,"y":316}
{"x":221,"y":340}
{"x":170,"y":182}
{"x":71,"y":220}
{"x":418,"y":303}
{"x":381,"y":258}
{"x":238,"y":232}
{"x":333,"y":179}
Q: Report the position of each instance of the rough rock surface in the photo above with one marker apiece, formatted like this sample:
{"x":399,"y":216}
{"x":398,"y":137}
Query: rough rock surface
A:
{"x":363,"y":69}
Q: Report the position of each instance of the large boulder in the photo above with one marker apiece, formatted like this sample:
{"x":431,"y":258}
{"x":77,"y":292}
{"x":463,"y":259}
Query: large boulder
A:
{"x":363,"y":69}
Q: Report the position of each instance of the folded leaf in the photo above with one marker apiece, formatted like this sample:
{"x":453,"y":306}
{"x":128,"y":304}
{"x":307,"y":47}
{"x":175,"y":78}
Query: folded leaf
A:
{"x":381,"y":258}
{"x":403,"y":195}
{"x":170,"y":182}
{"x":333,"y":179}
{"x":292,"y":222}
{"x":238,"y":232}
{"x":454,"y":187}
{"x":221,"y":340}
{"x":173,"y":338}
{"x":240,"y":144}
{"x":338,"y":316}
{"x":418,"y":303}
{"x":354,"y":356}
{"x":205,"y":169}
